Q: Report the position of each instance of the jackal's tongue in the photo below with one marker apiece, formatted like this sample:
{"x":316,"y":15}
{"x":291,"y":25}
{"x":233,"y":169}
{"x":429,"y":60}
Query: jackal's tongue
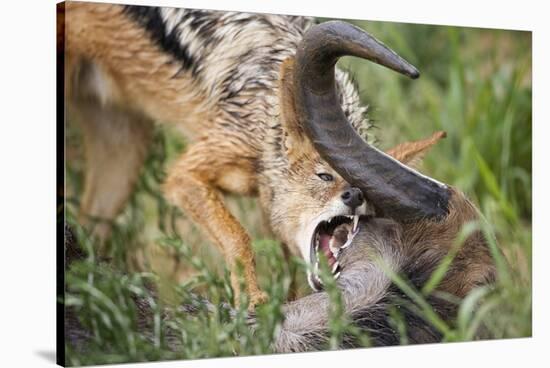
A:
{"x":324,"y":241}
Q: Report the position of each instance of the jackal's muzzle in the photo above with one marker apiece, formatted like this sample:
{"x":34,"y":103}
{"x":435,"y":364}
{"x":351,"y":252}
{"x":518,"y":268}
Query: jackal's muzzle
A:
{"x":329,"y":239}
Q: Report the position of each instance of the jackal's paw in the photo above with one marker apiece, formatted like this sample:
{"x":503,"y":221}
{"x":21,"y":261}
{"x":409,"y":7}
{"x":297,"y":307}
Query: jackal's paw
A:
{"x":257,"y":298}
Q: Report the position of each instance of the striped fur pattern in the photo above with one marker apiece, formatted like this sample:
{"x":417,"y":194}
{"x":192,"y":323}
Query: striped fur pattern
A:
{"x":235,"y":57}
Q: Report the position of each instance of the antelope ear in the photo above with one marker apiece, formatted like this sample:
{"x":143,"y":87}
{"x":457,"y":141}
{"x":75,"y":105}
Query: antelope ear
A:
{"x":295,"y":141}
{"x":412,"y":153}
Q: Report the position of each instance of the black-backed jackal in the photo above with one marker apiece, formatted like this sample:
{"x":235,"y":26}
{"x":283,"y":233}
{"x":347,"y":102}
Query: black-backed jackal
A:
{"x":229,"y":82}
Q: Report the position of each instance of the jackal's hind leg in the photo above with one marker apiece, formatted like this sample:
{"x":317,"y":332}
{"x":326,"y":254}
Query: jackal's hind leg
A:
{"x":115,"y":144}
{"x":192,"y":185}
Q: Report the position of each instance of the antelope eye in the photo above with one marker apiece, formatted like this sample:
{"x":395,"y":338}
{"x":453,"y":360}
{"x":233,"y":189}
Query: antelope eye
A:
{"x":325,"y":177}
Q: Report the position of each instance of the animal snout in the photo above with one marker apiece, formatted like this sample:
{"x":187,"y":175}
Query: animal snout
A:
{"x":352,"y":197}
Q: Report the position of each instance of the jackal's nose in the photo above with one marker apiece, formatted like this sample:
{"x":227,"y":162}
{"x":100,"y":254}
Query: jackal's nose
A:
{"x":352,"y":197}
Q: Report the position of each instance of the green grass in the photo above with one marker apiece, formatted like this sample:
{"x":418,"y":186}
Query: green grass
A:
{"x":475,"y":85}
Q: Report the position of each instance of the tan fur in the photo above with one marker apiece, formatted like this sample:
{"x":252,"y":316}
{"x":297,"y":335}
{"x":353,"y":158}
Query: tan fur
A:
{"x":190,"y":185}
{"x":135,"y":80}
{"x":133,"y":66}
{"x":116,"y":144}
{"x":410,"y":153}
{"x":295,"y":141}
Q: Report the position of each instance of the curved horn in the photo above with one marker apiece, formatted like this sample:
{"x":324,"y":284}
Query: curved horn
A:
{"x":396,"y":190}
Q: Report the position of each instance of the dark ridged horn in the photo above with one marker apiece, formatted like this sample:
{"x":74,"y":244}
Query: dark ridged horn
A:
{"x":396,"y":190}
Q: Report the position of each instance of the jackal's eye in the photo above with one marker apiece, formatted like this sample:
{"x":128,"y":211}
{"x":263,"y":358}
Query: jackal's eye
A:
{"x":325,"y":177}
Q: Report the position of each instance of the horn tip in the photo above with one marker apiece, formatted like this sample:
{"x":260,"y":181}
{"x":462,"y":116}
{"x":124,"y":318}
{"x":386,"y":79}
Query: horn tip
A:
{"x":414,"y":74}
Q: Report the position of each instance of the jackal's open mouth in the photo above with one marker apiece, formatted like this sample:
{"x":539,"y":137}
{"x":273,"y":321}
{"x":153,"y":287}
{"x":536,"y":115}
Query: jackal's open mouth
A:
{"x":329,"y":238}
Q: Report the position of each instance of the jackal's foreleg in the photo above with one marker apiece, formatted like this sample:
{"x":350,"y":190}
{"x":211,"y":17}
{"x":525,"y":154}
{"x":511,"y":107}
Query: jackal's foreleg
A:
{"x":192,"y":185}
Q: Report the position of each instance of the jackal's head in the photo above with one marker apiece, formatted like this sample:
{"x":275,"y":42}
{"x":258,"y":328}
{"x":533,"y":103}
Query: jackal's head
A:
{"x":313,"y":208}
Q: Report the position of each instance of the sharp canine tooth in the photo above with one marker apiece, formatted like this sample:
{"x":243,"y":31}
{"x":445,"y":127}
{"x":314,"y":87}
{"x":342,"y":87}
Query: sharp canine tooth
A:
{"x":337,"y":275}
{"x":348,"y":242}
{"x":335,"y":267}
{"x":355,"y":222}
{"x":318,"y":279}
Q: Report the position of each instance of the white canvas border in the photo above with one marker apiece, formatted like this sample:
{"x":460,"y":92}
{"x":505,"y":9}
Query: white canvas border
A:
{"x":27,"y":266}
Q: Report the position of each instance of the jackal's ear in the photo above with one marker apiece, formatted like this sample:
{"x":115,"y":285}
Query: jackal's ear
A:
{"x":412,"y":153}
{"x":295,"y":141}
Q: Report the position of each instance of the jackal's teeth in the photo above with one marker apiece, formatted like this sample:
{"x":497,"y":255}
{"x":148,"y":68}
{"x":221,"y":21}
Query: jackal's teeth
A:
{"x":347,"y":243}
{"x":318,"y":279}
{"x":351,"y":235}
{"x":335,"y":267}
{"x":317,"y":238}
{"x":336,"y":275}
{"x":355,"y":223}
